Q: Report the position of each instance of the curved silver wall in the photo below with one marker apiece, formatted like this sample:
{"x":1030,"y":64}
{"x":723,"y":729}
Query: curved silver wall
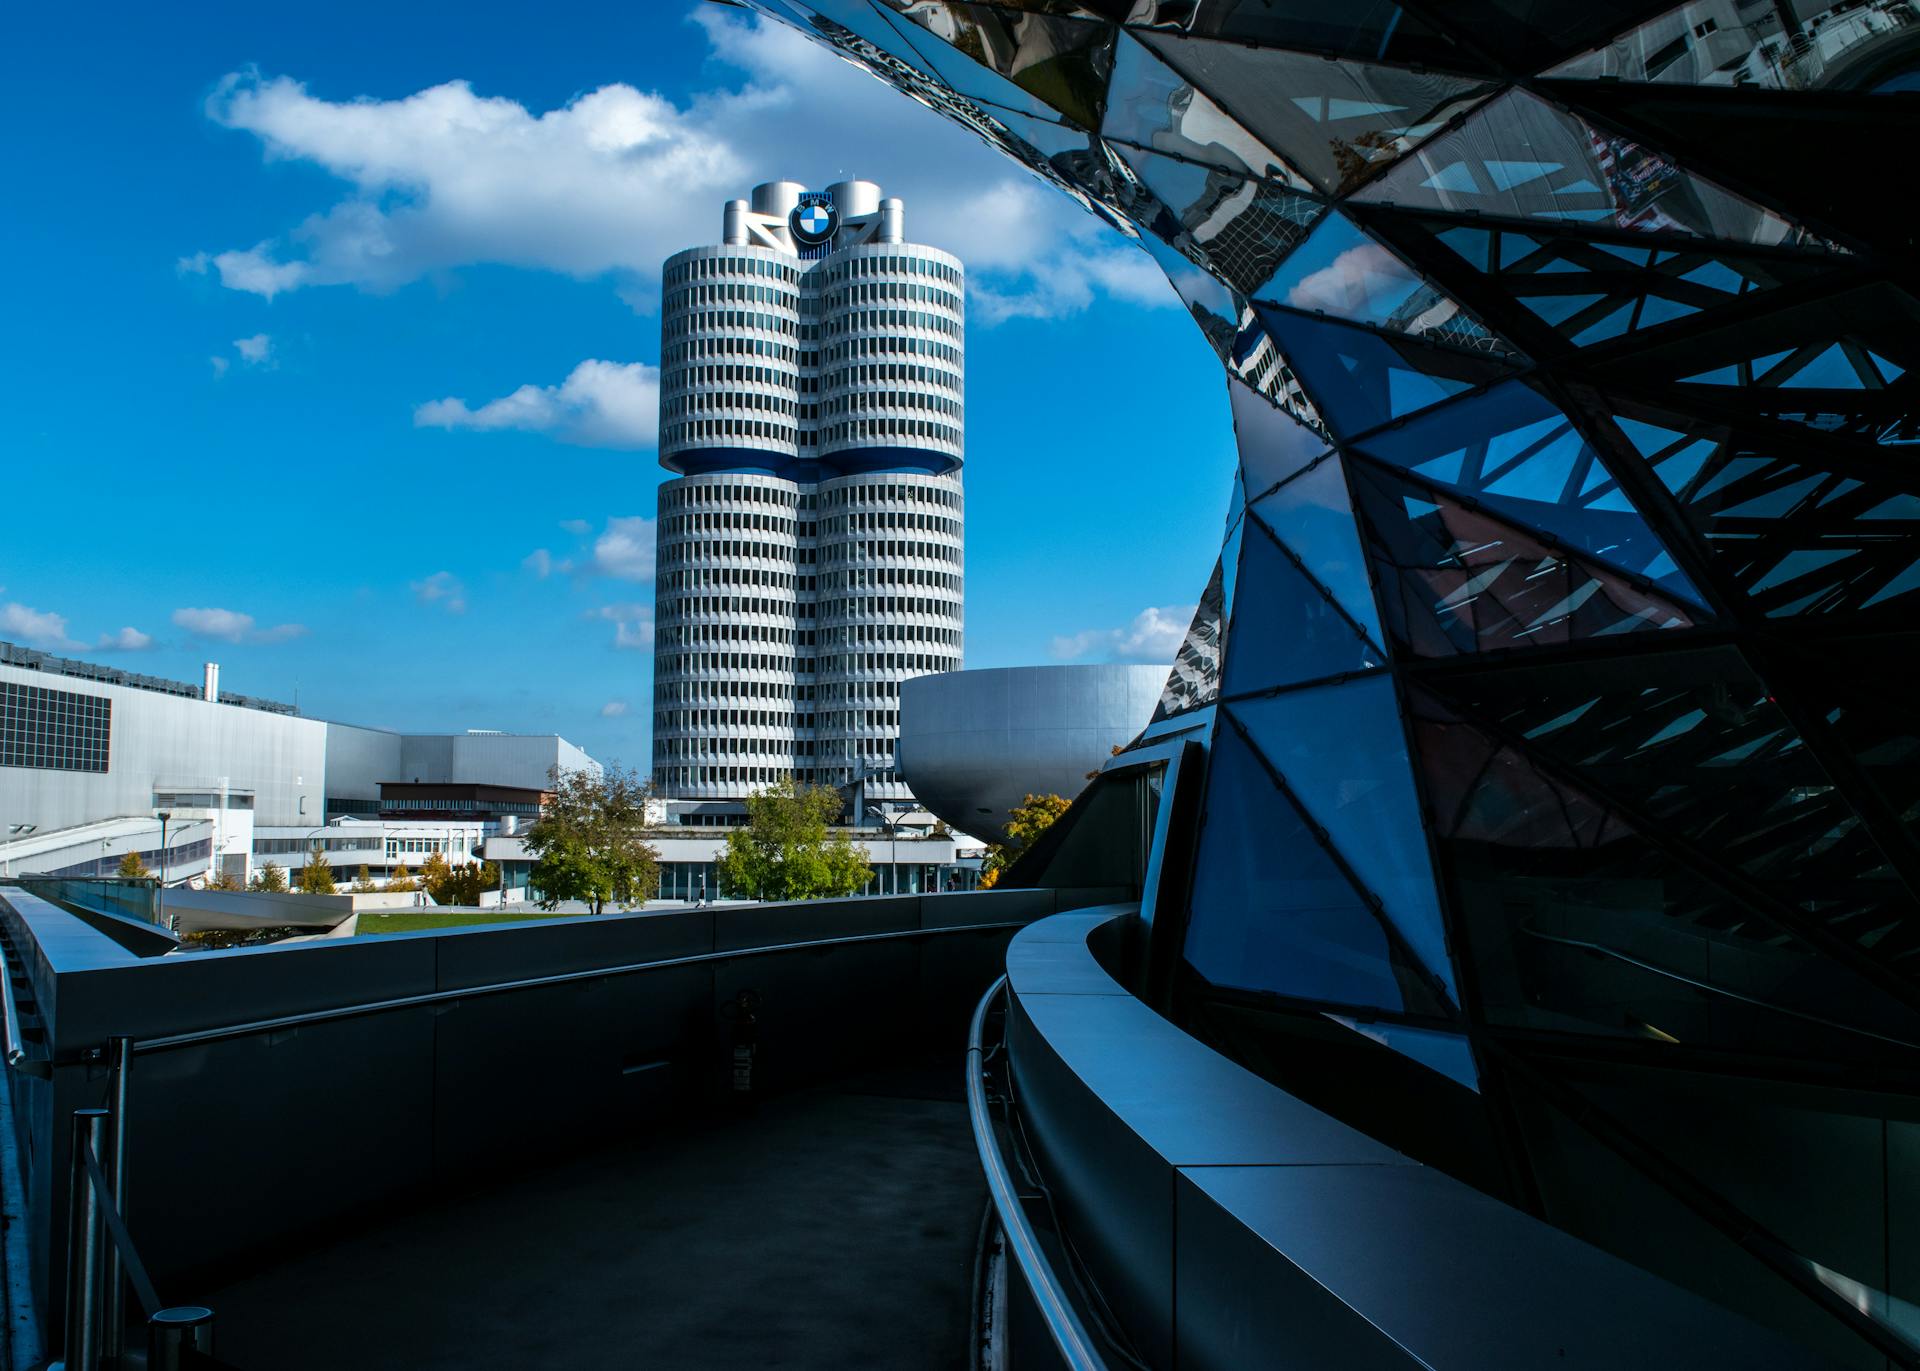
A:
{"x":973,"y":744}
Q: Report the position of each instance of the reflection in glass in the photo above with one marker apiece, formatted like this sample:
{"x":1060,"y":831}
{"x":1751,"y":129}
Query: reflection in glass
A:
{"x":1290,"y":631}
{"x":1520,"y":158}
{"x":1339,"y":270}
{"x":1513,"y":451}
{"x":1455,"y":579}
{"x":1313,"y":519}
{"x":1270,"y":909}
{"x":1154,"y":107}
{"x":1819,"y":46}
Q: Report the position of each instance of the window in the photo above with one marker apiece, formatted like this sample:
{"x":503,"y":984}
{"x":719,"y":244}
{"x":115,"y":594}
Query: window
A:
{"x":56,"y":730}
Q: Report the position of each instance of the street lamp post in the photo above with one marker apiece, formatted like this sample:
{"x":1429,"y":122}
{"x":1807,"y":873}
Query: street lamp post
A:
{"x":893,"y":841}
{"x":160,"y":910}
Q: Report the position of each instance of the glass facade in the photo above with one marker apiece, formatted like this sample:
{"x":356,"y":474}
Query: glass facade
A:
{"x":1553,"y":673}
{"x":56,"y":730}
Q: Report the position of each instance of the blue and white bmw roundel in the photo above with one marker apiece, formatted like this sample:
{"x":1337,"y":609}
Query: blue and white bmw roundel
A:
{"x":813,"y":220}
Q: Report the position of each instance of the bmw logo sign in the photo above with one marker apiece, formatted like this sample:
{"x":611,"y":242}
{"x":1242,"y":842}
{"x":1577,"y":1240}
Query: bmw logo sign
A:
{"x":814,"y":220}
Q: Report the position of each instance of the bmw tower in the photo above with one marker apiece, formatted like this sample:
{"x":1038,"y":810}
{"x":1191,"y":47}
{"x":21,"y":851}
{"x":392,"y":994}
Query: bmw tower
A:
{"x":810,"y":541}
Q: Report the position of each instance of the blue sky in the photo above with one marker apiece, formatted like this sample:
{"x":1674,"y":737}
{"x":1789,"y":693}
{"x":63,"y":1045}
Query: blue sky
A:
{"x":330,"y":343}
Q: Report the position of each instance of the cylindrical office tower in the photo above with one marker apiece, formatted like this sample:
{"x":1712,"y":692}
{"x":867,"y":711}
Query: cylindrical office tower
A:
{"x":810,"y":552}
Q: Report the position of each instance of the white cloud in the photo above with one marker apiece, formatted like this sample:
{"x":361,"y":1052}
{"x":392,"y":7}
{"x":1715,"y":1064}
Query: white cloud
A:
{"x":37,"y":628}
{"x":254,"y":350}
{"x":600,"y":404}
{"x":231,"y":626}
{"x":613,"y":709}
{"x":219,"y":365}
{"x":542,"y":564}
{"x":442,"y":588}
{"x":579,"y":528}
{"x":632,"y":624}
{"x":617,"y":179}
{"x":126,"y":640}
{"x":1153,"y":636}
{"x":624,"y":550}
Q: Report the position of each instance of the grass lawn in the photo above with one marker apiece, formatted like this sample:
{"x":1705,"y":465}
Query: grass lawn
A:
{"x":421,"y":920}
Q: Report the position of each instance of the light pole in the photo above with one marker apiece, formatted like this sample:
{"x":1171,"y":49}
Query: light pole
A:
{"x":160,"y":907}
{"x":15,"y":831}
{"x":893,"y":841}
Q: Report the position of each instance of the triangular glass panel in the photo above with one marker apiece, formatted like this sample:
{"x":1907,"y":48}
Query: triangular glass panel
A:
{"x":1340,"y":271}
{"x":1150,"y":105}
{"x":1799,"y":538}
{"x":1285,"y":630}
{"x":1013,"y":60}
{"x":1376,"y":32}
{"x":1360,"y":379}
{"x":1699,"y":747}
{"x":1456,"y":580}
{"x":1591,"y":178}
{"x":1313,"y":519}
{"x":1527,"y":462}
{"x":1271,"y":911}
{"x":1577,"y":922}
{"x":1241,"y":227}
{"x":1195,"y":678}
{"x":1342,"y":752}
{"x":1273,"y":444}
{"x":1230,"y":569}
{"x":1339,"y":122}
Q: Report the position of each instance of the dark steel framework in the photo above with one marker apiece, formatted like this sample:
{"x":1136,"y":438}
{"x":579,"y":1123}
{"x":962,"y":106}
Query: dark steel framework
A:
{"x":1561,"y":818}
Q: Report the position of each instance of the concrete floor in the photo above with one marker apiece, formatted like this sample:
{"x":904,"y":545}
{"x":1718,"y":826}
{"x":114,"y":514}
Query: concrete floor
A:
{"x":833,"y":1228}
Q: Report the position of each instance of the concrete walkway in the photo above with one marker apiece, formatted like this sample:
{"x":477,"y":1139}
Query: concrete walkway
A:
{"x":834,"y":1228}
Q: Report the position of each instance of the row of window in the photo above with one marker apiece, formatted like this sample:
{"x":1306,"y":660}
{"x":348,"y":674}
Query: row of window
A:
{"x":712,"y":521}
{"x":676,"y":720}
{"x":892,"y":493}
{"x":463,"y":805}
{"x":891,"y":345}
{"x":868,"y":320}
{"x":734,"y":576}
{"x":706,"y":549}
{"x":737,"y":374}
{"x":695,"y":692}
{"x":869,"y":548}
{"x":731,"y":293}
{"x":866,"y":401}
{"x":732,"y":346}
{"x":686,"y":606}
{"x":200,"y":799}
{"x":721,"y":268}
{"x":722,"y":401}
{"x":732,"y":320}
{"x":366,"y":842}
{"x":890,"y":430}
{"x":712,"y":430}
{"x":879,"y":292}
{"x":687,"y":494}
{"x":54,"y":730}
{"x":866,"y":266}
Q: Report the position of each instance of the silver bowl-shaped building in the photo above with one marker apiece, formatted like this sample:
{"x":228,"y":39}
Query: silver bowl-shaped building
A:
{"x":974,"y":744}
{"x":1528,"y":837}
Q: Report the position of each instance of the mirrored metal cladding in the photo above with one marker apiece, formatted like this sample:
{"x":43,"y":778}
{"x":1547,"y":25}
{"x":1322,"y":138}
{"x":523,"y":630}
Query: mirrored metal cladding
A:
{"x":1554,"y":673}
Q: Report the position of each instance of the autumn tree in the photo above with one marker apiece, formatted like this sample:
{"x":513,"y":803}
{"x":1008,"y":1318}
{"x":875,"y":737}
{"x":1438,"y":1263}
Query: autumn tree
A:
{"x":132,"y":868}
{"x":316,"y":877}
{"x":458,"y":885}
{"x":222,"y":880}
{"x":271,"y":878}
{"x":786,"y":852}
{"x":1024,"y":826}
{"x":589,"y":843}
{"x":363,"y":881}
{"x":401,"y":878}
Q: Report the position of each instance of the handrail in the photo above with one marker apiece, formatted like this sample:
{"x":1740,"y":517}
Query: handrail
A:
{"x":1069,"y":1334}
{"x":17,"y":1057}
{"x":207,"y":1035}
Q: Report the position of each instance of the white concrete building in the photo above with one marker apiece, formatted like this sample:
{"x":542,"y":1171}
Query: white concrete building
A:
{"x":811,"y":548}
{"x":91,"y":756}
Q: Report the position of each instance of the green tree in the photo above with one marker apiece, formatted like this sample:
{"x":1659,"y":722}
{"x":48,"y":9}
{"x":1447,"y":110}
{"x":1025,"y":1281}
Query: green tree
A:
{"x":132,"y":867}
{"x":401,"y":878}
{"x":1024,"y":826}
{"x":222,"y":880}
{"x":316,"y":877}
{"x":786,"y":851}
{"x":269,"y":878}
{"x":363,"y":881}
{"x":589,"y":842}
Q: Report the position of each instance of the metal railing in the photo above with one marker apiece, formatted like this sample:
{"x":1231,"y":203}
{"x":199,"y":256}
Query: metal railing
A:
{"x":1063,"y":1323}
{"x":101,"y":1258}
{"x":98,"y":1272}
